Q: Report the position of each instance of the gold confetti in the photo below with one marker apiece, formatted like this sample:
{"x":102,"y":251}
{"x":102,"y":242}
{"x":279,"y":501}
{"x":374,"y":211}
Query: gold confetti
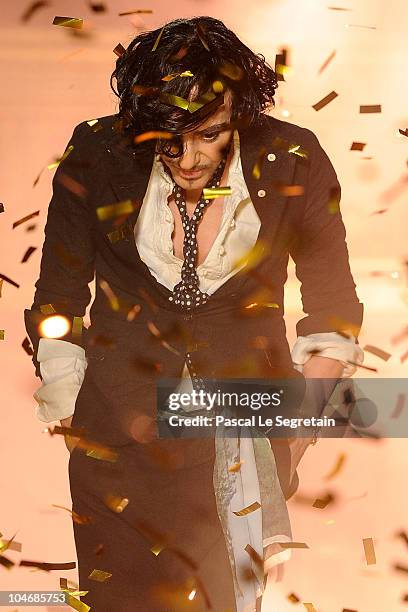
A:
{"x":2,"y":333}
{"x":230,"y":70}
{"x":353,"y":25}
{"x":321,"y":503}
{"x":75,"y":603}
{"x":256,"y":558}
{"x":157,"y":548}
{"x":256,"y":170}
{"x":27,"y":346}
{"x":182,"y":52}
{"x":404,"y":132}
{"x":216,"y":192}
{"x":113,"y":299}
{"x":172,"y":76}
{"x":180,"y":102}
{"x":156,"y":44}
{"x":115,"y":210}
{"x":133,"y":312}
{"x":80,"y":519}
{"x":116,"y":503}
{"x":286,"y":545}
{"x":370,"y":108}
{"x":152,"y":134}
{"x":280,"y":64}
{"x":1,"y":207}
{"x":357,"y":146}
{"x":61,"y":159}
{"x":202,"y":35}
{"x":289,"y":190}
{"x":28,"y":254}
{"x":398,"y":407}
{"x":77,"y":325}
{"x":248,"y":509}
{"x":47,"y":309}
{"x":119,"y":50}
{"x":97,"y":7}
{"x":99,"y":575}
{"x":325,"y":101}
{"x":7,"y":563}
{"x":1,"y":285}
{"x":309,"y":607}
{"x":33,"y":8}
{"x":293,"y":598}
{"x":68,"y":22}
{"x":338,"y":8}
{"x":136,"y":11}
{"x":26,"y":218}
{"x":48,"y":566}
{"x":364,"y":367}
{"x":327,"y":62}
{"x":377,"y":351}
{"x":369,"y":551}
{"x":235,"y":467}
{"x":336,"y":469}
{"x":10,"y":544}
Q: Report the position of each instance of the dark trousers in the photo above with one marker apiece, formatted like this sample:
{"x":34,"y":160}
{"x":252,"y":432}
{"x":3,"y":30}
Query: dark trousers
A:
{"x":167,"y":499}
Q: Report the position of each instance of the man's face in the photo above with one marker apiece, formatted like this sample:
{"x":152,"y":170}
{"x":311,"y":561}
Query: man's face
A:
{"x":203,"y":151}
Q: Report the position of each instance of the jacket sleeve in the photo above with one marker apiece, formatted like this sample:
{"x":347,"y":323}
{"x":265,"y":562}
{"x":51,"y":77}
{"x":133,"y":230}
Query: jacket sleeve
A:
{"x":68,"y":253}
{"x":320,"y":254}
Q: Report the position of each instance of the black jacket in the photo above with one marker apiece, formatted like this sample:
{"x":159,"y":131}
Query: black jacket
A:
{"x":125,"y":357}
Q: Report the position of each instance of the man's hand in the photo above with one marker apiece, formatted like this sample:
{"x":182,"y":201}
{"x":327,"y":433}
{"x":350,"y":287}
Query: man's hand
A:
{"x":70,"y":441}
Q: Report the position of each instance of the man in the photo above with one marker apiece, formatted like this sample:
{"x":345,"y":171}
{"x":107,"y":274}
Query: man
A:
{"x":191,"y":288}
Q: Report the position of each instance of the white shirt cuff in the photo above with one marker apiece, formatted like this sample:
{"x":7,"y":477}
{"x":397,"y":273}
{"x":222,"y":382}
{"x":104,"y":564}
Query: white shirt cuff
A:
{"x":62,"y":366}
{"x":331,"y":345}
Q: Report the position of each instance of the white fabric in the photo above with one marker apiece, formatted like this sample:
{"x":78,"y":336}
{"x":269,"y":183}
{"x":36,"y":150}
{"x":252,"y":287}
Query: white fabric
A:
{"x":331,"y":345}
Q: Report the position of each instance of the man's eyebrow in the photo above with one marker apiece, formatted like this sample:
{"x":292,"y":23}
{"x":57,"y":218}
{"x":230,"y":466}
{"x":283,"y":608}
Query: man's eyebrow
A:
{"x":214,"y":128}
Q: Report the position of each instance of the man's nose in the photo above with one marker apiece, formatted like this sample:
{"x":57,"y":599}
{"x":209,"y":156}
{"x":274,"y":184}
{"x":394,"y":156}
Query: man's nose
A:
{"x":190,"y":157}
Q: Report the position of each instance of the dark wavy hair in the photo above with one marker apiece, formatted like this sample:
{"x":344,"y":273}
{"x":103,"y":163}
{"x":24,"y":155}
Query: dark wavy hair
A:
{"x":217,"y":59}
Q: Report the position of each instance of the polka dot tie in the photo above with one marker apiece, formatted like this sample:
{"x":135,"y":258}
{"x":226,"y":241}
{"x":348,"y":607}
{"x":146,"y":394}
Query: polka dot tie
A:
{"x":186,"y":294}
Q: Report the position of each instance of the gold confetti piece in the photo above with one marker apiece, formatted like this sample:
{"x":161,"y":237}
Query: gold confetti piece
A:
{"x":114,"y":210}
{"x":8,"y":280}
{"x":336,"y":469}
{"x":338,"y":8}
{"x":97,"y":7}
{"x":113,"y":299}
{"x":81,"y":519}
{"x":353,"y":25}
{"x":119,"y":50}
{"x":75,"y":603}
{"x":157,"y":548}
{"x":256,"y":170}
{"x":99,"y":575}
{"x":256,"y":558}
{"x":216,"y":192}
{"x":68,"y":22}
{"x":33,"y":8}
{"x":156,"y":44}
{"x":116,"y":503}
{"x":77,"y":325}
{"x":403,"y":535}
{"x":152,"y":134}
{"x":377,"y":351}
{"x":5,"y":562}
{"x":321,"y":503}
{"x":99,"y":452}
{"x":364,"y":367}
{"x":357,"y":146}
{"x":1,"y":207}
{"x":280,"y":61}
{"x":292,"y":545}
{"x":401,"y":568}
{"x":400,"y":336}
{"x":119,"y":234}
{"x":133,"y":312}
{"x":297,"y":150}
{"x":136,"y":11}
{"x":47,"y":309}
{"x":173,"y":75}
{"x":192,"y":594}
{"x":293,"y":598}
{"x":28,"y":254}
{"x":27,"y":346}
{"x":325,"y":101}
{"x":230,"y":70}
{"x":261,"y":304}
{"x":1,"y":287}
{"x":248,"y":509}
{"x":398,"y":407}
{"x":26,"y":218}
{"x":327,"y":62}
{"x":309,"y":607}
{"x":10,"y":544}
{"x":202,"y":35}
{"x":48,"y":566}
{"x":2,"y":333}
{"x":288,"y":190}
{"x":370,"y":108}
{"x":235,"y":467}
{"x":369,"y":551}
{"x":61,"y":159}
{"x":404,"y":132}
{"x":404,"y":357}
